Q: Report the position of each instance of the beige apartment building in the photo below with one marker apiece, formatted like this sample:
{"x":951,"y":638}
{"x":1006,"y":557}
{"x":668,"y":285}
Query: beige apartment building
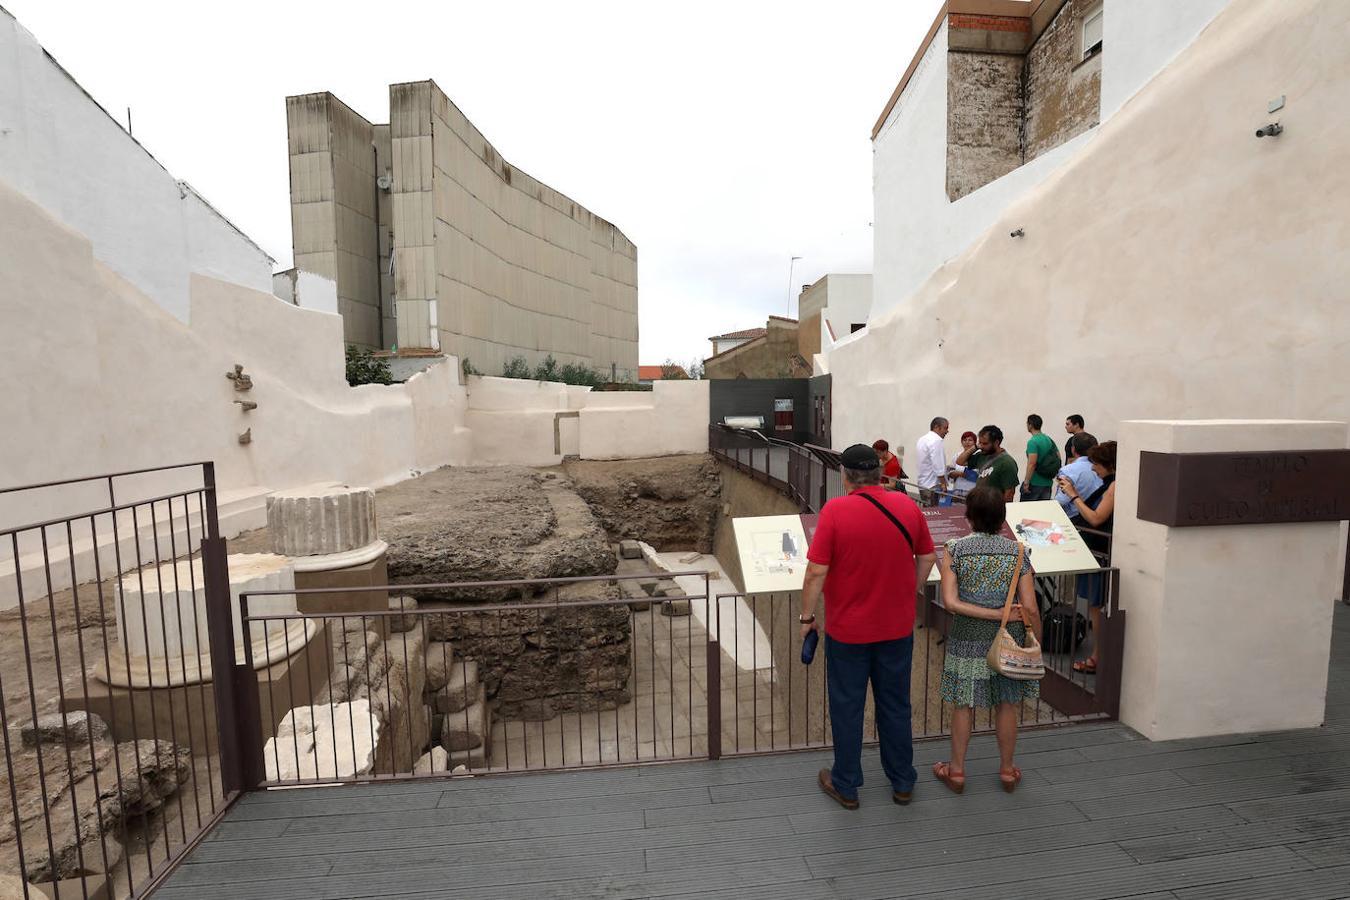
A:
{"x":437,"y":243}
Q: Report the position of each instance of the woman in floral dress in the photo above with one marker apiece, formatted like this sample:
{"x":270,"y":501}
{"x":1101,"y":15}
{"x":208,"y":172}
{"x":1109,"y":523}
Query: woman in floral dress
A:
{"x":976,"y":573}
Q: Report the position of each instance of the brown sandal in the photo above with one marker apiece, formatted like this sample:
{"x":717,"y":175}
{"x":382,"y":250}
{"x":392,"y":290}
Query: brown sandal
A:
{"x":1010,"y":778}
{"x":956,"y":782}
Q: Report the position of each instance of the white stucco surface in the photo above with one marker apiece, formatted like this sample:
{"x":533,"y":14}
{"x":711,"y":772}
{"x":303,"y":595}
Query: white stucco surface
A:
{"x":916,"y":229}
{"x":1152,"y":32}
{"x":61,"y":149}
{"x":1228,"y":628}
{"x":1133,"y":294}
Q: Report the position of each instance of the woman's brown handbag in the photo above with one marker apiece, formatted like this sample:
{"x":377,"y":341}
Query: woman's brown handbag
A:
{"x":1007,"y":657}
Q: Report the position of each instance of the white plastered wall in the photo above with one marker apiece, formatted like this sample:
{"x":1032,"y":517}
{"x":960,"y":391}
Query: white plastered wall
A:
{"x":61,"y":149}
{"x":916,"y":228}
{"x":1176,"y":267}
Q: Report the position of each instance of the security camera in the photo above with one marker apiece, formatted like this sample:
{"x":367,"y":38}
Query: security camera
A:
{"x":1270,"y":130}
{"x":1017,"y":234}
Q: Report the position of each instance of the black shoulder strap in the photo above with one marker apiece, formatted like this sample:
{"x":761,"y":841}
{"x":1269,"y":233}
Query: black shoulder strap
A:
{"x":887,"y":513}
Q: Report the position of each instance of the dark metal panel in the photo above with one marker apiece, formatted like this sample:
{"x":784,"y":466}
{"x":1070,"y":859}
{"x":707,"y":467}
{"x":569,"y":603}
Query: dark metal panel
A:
{"x":1267,"y":487}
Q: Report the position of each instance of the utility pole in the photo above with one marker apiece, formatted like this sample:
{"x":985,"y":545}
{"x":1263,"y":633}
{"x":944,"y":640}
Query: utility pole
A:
{"x":792,"y":262}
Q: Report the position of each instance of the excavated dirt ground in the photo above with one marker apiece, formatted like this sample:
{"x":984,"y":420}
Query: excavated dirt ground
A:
{"x":671,"y":502}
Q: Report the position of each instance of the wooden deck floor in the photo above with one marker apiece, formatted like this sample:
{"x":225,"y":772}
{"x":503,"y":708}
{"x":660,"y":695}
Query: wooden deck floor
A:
{"x":1102,"y":813}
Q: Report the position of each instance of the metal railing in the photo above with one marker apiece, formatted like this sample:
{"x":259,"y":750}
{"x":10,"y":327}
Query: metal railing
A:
{"x":578,"y":673}
{"x":571,"y":677}
{"x":806,"y":473}
{"x":110,"y":598}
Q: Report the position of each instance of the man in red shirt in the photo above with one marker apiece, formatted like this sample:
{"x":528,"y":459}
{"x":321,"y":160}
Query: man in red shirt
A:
{"x":870,"y":552}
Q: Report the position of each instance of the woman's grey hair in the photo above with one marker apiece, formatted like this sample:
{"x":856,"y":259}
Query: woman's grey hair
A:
{"x":862,"y":477}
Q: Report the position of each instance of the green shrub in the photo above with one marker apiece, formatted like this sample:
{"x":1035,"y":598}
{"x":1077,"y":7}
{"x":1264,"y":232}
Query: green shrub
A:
{"x":364,"y":367}
{"x":516,"y":367}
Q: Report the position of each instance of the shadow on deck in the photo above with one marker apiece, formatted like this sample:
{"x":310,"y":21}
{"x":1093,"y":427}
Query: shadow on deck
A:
{"x":1102,"y":813}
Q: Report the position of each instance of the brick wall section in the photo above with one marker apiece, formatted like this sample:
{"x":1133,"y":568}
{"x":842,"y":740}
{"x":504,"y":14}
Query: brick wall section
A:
{"x":1063,"y":91}
{"x":989,"y":23}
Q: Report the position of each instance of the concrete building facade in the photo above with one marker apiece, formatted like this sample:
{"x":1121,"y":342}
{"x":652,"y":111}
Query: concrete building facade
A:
{"x":830,"y":310}
{"x":436,"y":242}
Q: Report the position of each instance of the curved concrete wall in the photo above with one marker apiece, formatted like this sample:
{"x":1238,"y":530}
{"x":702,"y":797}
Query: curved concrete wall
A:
{"x":1176,"y":267}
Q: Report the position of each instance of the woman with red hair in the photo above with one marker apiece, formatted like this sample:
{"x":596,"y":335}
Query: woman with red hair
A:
{"x":890,"y":463}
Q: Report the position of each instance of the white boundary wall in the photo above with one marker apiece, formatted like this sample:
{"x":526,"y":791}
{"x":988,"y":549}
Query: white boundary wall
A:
{"x":61,"y":148}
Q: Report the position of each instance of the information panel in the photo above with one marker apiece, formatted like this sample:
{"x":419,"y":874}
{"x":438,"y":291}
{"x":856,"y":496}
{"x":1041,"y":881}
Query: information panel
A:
{"x":772,"y":551}
{"x":1055,"y":544}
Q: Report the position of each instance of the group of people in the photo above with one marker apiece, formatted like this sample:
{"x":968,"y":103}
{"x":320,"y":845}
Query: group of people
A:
{"x":871,"y":553}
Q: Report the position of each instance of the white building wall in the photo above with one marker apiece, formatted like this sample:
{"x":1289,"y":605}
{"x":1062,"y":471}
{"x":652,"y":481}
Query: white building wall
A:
{"x":848,"y":299}
{"x":1152,"y":33}
{"x":61,"y":149}
{"x":1177,"y":267}
{"x":916,"y":228}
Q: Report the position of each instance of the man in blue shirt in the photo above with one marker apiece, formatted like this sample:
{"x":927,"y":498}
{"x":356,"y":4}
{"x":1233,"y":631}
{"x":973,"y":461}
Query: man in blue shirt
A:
{"x":1079,"y":472}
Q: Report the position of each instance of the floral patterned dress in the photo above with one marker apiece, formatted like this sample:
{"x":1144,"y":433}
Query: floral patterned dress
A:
{"x":984,"y":566}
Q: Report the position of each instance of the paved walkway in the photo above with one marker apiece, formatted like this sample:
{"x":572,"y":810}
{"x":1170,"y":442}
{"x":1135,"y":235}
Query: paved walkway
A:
{"x":1102,"y":814}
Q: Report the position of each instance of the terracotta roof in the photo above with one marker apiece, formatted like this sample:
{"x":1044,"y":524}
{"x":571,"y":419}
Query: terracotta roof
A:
{"x":734,"y":335}
{"x":654,"y":373}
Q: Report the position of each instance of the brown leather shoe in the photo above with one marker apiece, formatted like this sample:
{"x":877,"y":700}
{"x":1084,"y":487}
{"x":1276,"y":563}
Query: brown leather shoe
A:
{"x":902,"y":797}
{"x":827,"y":785}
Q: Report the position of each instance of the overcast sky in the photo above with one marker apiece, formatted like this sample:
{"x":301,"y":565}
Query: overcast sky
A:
{"x":722,"y":138}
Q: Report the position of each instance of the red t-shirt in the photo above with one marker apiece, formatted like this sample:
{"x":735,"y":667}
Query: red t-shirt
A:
{"x":870,"y":588}
{"x":892,"y":470}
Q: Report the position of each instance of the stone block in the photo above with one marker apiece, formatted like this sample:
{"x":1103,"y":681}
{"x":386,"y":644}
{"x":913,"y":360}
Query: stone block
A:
{"x":440,"y":660}
{"x":339,"y":598}
{"x":460,"y":690}
{"x":335,"y":740}
{"x":76,"y":727}
{"x":630,"y":549}
{"x":435,"y":760}
{"x":320,"y":519}
{"x":675,"y":608}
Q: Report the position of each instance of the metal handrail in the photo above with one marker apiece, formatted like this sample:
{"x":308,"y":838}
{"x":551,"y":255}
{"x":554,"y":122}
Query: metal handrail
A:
{"x":105,"y":477}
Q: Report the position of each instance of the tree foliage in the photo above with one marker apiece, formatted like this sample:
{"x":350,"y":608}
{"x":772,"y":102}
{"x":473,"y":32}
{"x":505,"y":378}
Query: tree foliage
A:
{"x":364,"y":367}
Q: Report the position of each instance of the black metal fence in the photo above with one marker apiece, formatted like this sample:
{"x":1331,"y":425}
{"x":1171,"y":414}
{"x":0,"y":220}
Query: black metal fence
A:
{"x":582,"y":678}
{"x":113,"y":605}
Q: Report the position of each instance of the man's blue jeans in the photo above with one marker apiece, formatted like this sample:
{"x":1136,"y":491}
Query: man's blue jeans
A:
{"x":849,"y":667}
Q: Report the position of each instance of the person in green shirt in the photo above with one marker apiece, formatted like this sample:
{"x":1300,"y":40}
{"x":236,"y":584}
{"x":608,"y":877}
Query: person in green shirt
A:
{"x":1042,"y":462}
{"x":991,"y":461}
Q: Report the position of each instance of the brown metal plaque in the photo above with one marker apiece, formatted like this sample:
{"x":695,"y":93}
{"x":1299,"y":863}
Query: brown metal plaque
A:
{"x":1267,"y":487}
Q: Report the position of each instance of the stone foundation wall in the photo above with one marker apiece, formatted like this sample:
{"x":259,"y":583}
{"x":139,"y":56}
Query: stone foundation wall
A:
{"x":536,"y":664}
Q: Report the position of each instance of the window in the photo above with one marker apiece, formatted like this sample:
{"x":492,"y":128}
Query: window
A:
{"x":1092,"y":32}
{"x":856,"y":327}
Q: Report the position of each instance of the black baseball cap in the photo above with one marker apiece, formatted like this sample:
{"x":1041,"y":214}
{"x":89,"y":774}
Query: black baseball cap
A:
{"x":858,"y":457}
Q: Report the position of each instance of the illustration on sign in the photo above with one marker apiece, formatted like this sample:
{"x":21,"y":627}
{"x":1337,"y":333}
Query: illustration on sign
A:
{"x":1039,"y":533}
{"x":772,"y":551}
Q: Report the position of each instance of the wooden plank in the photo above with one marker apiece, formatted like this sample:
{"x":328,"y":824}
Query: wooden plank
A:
{"x":1320,"y":884}
{"x":486,"y":831}
{"x":1135,"y":880}
{"x":910,"y":877}
{"x":1230,"y":793}
{"x":1311,"y":804}
{"x":503,"y":842}
{"x":863,"y":837}
{"x":1325,"y":853}
{"x":915,"y":845}
{"x":1162,"y":847}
